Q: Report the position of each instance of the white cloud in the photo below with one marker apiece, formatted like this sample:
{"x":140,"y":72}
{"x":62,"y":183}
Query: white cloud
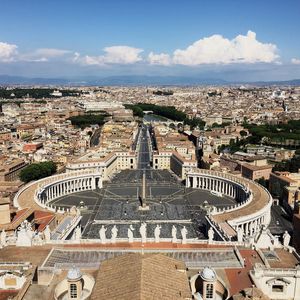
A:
{"x":219,"y":50}
{"x":159,"y":59}
{"x":295,"y":61}
{"x":51,"y":52}
{"x":43,"y":54}
{"x":214,"y":49}
{"x":115,"y":55}
{"x":7,"y":52}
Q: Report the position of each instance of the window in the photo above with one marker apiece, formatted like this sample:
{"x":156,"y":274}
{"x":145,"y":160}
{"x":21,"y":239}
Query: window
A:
{"x":277,"y":288}
{"x":209,"y":291}
{"x":73,"y":291}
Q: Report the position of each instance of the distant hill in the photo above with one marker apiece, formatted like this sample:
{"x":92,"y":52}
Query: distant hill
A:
{"x":134,"y":80}
{"x":9,"y":80}
{"x":293,"y":82}
{"x":155,"y":80}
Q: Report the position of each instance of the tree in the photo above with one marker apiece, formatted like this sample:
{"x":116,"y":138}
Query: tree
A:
{"x":87,"y":120}
{"x":37,"y":171}
{"x":243,"y":133}
{"x":292,"y":165}
{"x":215,"y":125}
{"x":262,"y":181}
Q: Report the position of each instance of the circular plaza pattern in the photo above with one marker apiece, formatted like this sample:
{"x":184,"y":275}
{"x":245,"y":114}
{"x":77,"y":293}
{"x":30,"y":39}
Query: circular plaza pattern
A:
{"x":208,"y":199}
{"x":117,"y":202}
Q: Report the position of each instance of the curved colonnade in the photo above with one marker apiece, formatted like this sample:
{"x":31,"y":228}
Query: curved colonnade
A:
{"x":253,"y":207}
{"x":45,"y":190}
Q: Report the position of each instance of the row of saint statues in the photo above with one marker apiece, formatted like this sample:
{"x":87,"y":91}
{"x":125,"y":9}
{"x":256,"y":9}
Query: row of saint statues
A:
{"x":143,"y":233}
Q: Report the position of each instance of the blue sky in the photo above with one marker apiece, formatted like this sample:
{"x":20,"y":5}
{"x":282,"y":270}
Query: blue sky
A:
{"x":225,"y":39}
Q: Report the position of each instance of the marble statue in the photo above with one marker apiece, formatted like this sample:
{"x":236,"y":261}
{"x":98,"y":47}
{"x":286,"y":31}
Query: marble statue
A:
{"x":3,"y":238}
{"x":130,"y":233}
{"x":211,"y":235}
{"x":183,"y":234}
{"x":174,"y":234}
{"x":25,"y":235}
{"x":114,"y":233}
{"x":240,"y":234}
{"x":143,"y":232}
{"x":286,"y":239}
{"x":47,"y":234}
{"x":276,"y":242}
{"x":157,"y":233}
{"x":37,"y":239}
{"x":102,"y":234}
{"x":77,"y":233}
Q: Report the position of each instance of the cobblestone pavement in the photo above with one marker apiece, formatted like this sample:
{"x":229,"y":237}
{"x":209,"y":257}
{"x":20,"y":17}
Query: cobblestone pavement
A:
{"x":170,"y":203}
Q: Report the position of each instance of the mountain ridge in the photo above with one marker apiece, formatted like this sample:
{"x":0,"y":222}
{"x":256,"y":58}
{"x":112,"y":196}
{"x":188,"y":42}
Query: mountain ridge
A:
{"x":135,"y":80}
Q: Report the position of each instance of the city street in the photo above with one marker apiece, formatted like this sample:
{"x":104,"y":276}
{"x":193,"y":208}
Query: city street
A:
{"x":280,"y":221}
{"x":144,"y":151}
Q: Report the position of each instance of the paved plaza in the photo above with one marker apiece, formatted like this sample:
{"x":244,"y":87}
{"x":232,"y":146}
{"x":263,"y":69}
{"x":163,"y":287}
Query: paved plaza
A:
{"x":170,"y":203}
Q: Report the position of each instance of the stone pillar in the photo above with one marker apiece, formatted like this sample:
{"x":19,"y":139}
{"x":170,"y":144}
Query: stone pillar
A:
{"x":100,"y":184}
{"x":93,"y":183}
{"x":194,"y":182}
{"x":247,"y":228}
{"x":256,"y":225}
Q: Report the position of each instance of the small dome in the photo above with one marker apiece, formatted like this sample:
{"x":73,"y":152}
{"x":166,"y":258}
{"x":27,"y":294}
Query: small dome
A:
{"x":208,"y":274}
{"x":74,"y":274}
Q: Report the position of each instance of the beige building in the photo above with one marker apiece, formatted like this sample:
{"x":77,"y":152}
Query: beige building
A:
{"x":162,"y":160}
{"x":4,"y":210}
{"x":286,"y":186}
{"x":105,"y":163}
{"x":174,"y":152}
{"x":255,"y":172}
{"x":10,"y":169}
